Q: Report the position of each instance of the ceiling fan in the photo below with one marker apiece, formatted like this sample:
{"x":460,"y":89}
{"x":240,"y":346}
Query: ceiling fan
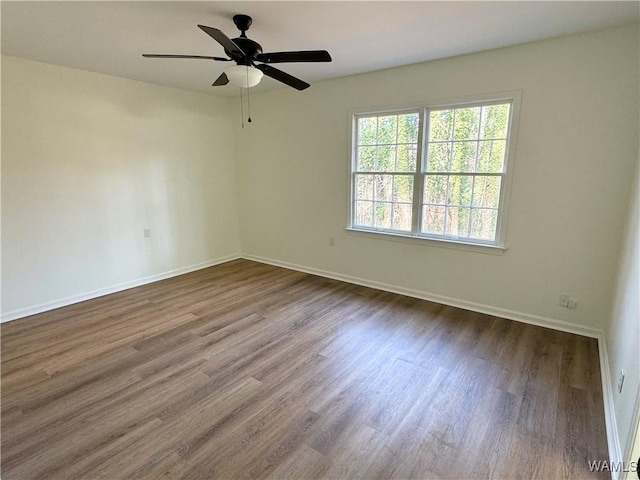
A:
{"x":246,"y":52}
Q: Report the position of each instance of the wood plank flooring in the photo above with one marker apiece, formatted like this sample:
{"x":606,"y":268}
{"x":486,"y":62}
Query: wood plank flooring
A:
{"x":245,"y":370}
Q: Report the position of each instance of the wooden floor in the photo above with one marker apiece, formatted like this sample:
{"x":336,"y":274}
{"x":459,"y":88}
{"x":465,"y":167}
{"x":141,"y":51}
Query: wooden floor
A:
{"x":245,"y":370}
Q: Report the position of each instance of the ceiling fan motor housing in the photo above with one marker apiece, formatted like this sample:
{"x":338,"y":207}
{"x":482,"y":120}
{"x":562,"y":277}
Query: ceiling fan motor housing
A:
{"x":250,"y":48}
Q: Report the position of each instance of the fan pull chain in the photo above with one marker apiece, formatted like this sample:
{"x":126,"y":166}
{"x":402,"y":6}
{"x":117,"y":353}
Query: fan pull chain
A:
{"x":248,"y":97}
{"x":241,"y":109}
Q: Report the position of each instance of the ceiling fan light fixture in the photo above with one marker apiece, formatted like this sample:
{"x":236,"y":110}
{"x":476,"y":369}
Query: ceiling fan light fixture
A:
{"x":244,"y":52}
{"x":243,"y":76}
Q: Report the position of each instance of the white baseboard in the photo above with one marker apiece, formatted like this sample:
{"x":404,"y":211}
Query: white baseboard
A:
{"x":613,"y":439}
{"x":432,"y":297}
{"x":633,"y":436}
{"x":43,"y":307}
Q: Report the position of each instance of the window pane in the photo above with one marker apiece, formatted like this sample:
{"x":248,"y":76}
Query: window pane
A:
{"x":366,"y":159}
{"x":438,"y":155}
{"x":383,"y":187}
{"x":364,"y":214}
{"x":382,"y":215}
{"x":462,"y":164}
{"x":407,"y":155}
{"x":466,"y":123}
{"x":408,"y":125}
{"x":387,"y":129}
{"x":491,"y":156}
{"x":495,"y":119}
{"x":402,"y":217}
{"x":403,"y":188}
{"x":435,"y":189}
{"x":464,"y":157}
{"x":433,"y":219}
{"x":457,"y":222}
{"x":364,"y":187}
{"x":486,"y":192}
{"x":440,"y":125}
{"x":483,"y":223}
{"x":386,"y":160}
{"x":459,"y":190}
{"x":367,"y":127}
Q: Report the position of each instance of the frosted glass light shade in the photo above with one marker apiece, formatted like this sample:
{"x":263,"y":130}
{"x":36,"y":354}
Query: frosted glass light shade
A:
{"x":243,"y":76}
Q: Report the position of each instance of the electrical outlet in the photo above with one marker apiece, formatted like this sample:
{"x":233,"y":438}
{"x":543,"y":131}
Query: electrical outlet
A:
{"x":621,"y":381}
{"x":332,"y":241}
{"x":564,"y":300}
{"x":567,"y":301}
{"x":147,"y":232}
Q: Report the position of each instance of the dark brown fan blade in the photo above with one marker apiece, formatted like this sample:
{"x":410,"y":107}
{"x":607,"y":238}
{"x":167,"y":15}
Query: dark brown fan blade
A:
{"x":303,"y":56}
{"x":163,"y":55}
{"x":221,"y":80}
{"x":232,"y":49}
{"x":283,"y":77}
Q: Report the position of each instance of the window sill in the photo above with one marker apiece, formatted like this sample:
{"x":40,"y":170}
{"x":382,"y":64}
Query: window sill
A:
{"x":433,"y":242}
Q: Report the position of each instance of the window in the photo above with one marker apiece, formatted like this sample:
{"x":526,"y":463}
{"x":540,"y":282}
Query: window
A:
{"x":434,"y":172}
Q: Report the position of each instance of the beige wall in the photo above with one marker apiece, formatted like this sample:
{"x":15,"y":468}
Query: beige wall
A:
{"x":576,"y":149}
{"x":623,"y":332}
{"x":90,"y":160}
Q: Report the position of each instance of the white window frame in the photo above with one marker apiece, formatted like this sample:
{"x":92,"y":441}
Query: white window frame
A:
{"x":415,"y":236}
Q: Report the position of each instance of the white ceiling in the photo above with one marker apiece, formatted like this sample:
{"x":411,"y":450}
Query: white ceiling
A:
{"x":110,"y":36}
